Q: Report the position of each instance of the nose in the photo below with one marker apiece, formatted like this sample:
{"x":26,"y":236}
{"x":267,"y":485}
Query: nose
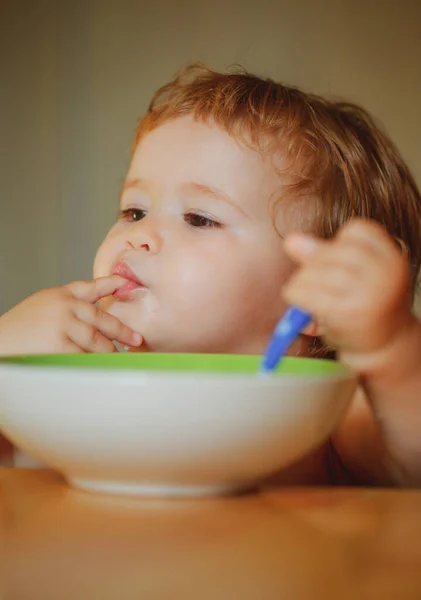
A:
{"x":145,"y":236}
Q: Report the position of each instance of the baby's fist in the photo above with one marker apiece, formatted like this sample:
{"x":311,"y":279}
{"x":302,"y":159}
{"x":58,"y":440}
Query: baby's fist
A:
{"x":357,"y":287}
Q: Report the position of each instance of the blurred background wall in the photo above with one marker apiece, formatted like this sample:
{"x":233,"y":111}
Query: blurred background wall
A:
{"x":75,"y":75}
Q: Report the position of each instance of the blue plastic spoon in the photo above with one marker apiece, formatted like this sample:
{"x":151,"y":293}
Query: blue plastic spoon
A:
{"x":287,"y":330}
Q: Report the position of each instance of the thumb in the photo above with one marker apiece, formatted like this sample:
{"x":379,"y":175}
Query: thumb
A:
{"x":301,"y":247}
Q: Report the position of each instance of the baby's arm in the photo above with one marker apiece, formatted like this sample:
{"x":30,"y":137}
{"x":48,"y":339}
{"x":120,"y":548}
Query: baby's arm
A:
{"x":357,"y":288}
{"x":379,"y":440}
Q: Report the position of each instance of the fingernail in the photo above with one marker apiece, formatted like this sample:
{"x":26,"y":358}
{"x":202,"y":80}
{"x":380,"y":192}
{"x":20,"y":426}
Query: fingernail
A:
{"x":137,"y":338}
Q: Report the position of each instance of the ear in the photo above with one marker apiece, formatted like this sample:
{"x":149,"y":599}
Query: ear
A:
{"x":312,"y":330}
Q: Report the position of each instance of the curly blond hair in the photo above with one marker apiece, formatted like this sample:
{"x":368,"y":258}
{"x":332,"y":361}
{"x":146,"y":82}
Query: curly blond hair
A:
{"x":337,"y":154}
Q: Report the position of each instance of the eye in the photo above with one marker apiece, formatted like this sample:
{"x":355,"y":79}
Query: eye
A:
{"x":199,"y":221}
{"x":132,"y":214}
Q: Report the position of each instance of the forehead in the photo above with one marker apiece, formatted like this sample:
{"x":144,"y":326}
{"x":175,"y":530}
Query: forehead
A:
{"x":186,"y":150}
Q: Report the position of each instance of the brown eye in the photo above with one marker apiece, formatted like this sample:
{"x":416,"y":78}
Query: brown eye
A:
{"x":195,"y":220}
{"x":132,"y":214}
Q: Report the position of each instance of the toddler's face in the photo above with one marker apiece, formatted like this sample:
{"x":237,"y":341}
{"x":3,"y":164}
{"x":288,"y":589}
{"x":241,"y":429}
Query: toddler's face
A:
{"x":196,"y":231}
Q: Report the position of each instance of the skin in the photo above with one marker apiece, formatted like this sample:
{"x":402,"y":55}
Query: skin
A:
{"x":357,"y":287}
{"x":213,"y":267}
{"x":217,"y":276}
{"x":65,"y":320}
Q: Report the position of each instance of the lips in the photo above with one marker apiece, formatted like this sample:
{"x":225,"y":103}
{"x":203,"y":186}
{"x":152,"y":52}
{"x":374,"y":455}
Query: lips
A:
{"x":132,"y":285}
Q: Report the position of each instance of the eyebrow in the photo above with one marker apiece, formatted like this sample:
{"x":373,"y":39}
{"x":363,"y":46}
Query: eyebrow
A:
{"x":140,"y":184}
{"x":212,"y":192}
{"x":189,"y":188}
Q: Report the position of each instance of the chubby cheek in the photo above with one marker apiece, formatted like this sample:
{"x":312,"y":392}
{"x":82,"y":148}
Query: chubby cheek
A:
{"x":229,"y":292}
{"x":140,"y":314}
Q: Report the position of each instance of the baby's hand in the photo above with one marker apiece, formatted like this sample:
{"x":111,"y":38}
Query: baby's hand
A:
{"x":357,"y":288}
{"x":65,"y":320}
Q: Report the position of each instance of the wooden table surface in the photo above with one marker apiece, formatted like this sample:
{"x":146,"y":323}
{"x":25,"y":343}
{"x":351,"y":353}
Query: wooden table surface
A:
{"x":57,"y":543}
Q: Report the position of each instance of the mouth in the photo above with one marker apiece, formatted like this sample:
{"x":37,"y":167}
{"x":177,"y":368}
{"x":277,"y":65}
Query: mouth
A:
{"x":133,"y":284}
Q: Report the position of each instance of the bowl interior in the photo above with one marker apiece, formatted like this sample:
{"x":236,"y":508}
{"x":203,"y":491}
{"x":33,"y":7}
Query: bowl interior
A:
{"x":196,"y":363}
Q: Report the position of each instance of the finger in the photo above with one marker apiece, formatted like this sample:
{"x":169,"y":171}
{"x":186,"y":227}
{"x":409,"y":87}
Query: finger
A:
{"x":325,"y":308}
{"x":312,"y":329}
{"x":71,"y":348}
{"x":350,"y":249}
{"x":109,"y":326}
{"x":369,"y":234}
{"x":348,"y":255}
{"x":332,"y":279}
{"x":344,"y":264}
{"x":302,"y":247}
{"x":92,"y":291}
{"x":366,"y":234}
{"x":88,"y":338}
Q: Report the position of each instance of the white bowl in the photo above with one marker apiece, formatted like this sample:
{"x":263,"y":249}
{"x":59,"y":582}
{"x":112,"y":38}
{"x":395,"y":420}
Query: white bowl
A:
{"x":156,"y":424}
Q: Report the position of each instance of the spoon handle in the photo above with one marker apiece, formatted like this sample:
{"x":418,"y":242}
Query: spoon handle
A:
{"x":287,"y":330}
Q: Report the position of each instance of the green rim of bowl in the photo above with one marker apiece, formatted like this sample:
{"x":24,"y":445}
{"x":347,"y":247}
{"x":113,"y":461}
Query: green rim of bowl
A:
{"x":198,"y":363}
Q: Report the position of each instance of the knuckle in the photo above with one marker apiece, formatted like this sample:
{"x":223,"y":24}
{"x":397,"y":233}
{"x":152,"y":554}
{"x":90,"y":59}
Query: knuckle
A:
{"x":91,"y":312}
{"x":71,"y":287}
{"x":361,"y":225}
{"x":99,"y":343}
{"x":81,"y":282}
{"x":354,"y":254}
{"x":97,"y":339}
{"x":363,"y":234}
{"x":106,"y":323}
{"x":86,"y":312}
{"x":77,"y":288}
{"x":100,"y":315}
{"x":92,"y":336}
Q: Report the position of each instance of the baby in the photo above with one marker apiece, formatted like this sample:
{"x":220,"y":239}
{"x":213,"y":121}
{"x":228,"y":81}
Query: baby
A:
{"x":242,"y":196}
